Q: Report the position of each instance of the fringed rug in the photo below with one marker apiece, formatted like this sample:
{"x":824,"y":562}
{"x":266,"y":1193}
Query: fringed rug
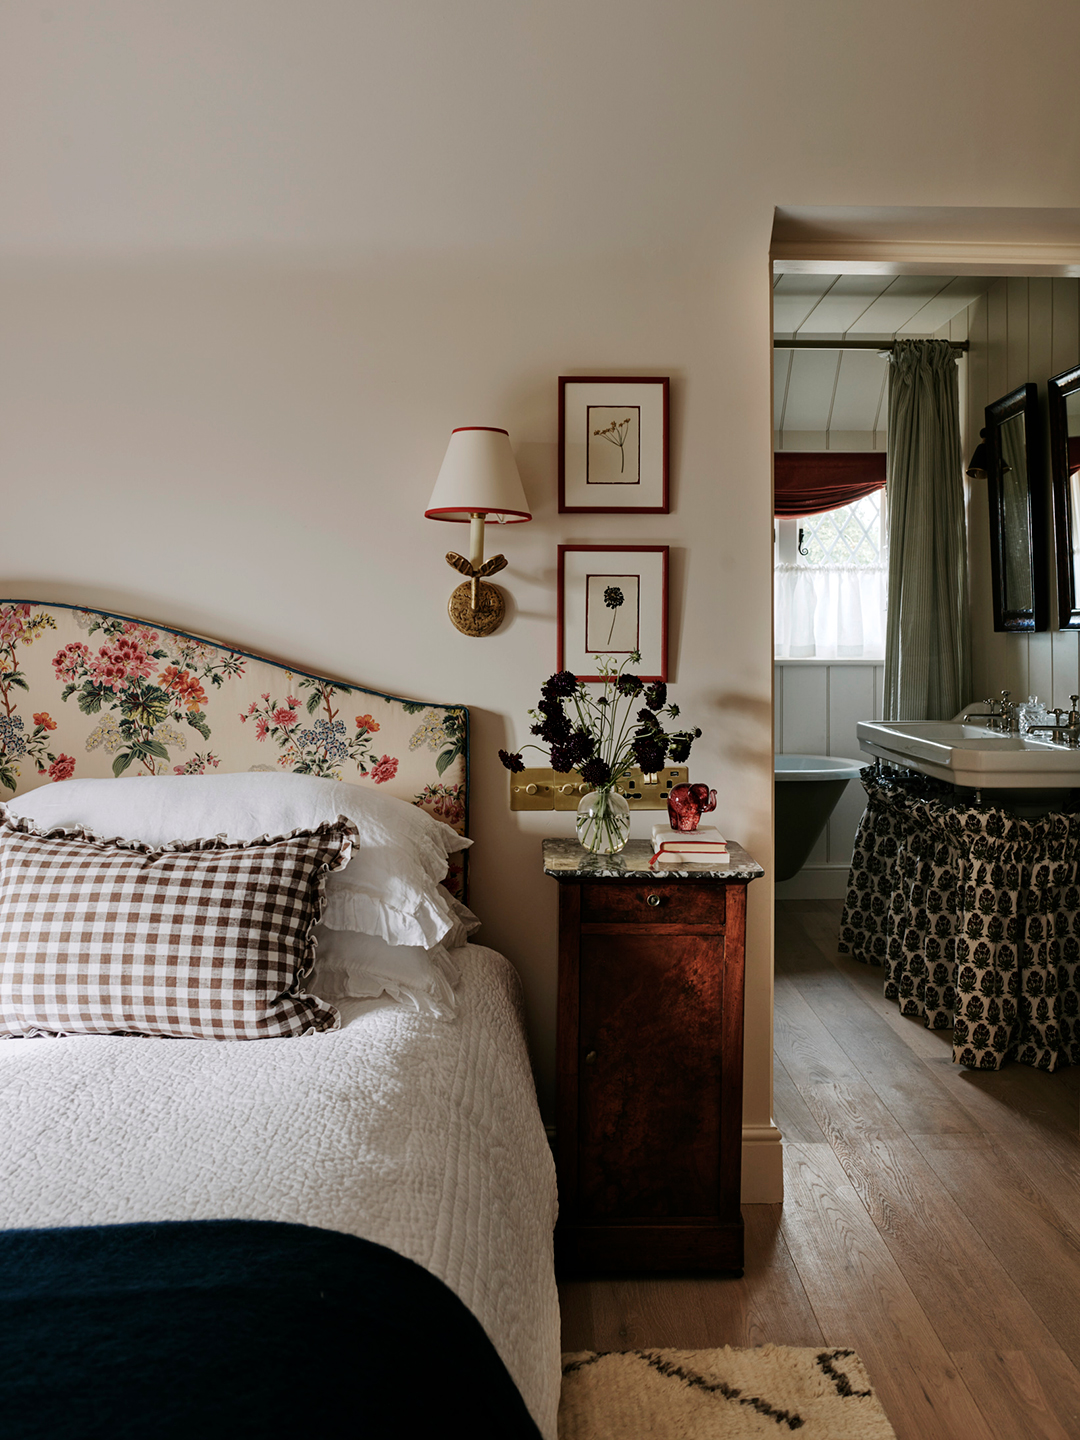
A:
{"x":709,"y":1394}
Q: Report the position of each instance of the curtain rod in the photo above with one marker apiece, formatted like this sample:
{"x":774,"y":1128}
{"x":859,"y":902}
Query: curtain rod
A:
{"x":848,"y":344}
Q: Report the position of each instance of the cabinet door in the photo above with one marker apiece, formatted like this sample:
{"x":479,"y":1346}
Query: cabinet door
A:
{"x":650,"y":1089}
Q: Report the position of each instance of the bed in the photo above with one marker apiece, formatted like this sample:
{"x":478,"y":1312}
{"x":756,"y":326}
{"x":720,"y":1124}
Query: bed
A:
{"x":341,"y":1229}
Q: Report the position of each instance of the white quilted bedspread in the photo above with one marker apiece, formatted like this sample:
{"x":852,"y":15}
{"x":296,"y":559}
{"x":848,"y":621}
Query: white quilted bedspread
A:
{"x":418,"y":1133}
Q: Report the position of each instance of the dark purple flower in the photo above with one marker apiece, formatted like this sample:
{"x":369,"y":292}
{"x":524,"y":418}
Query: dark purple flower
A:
{"x":648,"y":721}
{"x":649,"y":753}
{"x":560,"y":686}
{"x":582,"y":745}
{"x":555,"y":728}
{"x":596,"y":771}
{"x":679,"y":747}
{"x":656,"y":695}
{"x":613,"y":597}
{"x":513,"y":762}
{"x":629,"y":685}
{"x":562,"y":759}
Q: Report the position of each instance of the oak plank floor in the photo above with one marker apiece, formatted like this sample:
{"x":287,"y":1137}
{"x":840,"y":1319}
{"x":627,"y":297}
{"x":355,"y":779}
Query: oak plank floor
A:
{"x":931,"y":1218}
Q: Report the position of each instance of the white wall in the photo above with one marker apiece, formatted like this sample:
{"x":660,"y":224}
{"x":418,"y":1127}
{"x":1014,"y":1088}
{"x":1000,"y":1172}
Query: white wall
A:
{"x":1022,"y":329}
{"x":257,"y":258}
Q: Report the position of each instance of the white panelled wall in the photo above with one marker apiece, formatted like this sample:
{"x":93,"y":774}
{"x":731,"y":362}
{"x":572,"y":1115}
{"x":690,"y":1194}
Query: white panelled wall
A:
{"x":1022,"y":329}
{"x":818,"y":704}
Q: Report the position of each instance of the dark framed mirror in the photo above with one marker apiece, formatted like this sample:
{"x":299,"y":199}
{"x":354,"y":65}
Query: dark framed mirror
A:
{"x":1017,"y":491}
{"x":1064,"y":403}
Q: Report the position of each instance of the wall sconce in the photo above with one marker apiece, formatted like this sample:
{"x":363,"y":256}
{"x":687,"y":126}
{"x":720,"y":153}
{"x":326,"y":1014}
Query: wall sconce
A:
{"x":980,"y":461}
{"x":479,"y":477}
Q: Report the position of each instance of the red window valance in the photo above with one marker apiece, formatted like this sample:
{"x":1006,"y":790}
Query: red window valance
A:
{"x":809,"y":482}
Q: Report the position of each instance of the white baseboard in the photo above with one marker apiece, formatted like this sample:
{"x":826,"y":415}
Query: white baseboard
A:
{"x":814,"y":882}
{"x":762,"y":1165}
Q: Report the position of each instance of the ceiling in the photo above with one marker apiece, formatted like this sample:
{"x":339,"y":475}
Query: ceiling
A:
{"x":836,"y":398}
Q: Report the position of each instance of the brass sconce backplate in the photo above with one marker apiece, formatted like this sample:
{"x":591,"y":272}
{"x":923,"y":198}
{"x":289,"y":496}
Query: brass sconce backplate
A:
{"x":539,"y":789}
{"x":488,"y":615}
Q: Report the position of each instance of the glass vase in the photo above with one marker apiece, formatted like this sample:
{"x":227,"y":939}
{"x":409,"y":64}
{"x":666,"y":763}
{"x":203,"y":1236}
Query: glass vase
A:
{"x":603,"y":821}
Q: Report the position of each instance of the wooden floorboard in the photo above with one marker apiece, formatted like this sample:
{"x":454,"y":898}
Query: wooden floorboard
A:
{"x":931,"y":1217}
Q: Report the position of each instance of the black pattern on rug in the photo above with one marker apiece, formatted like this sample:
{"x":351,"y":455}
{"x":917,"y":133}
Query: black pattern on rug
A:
{"x":839,"y":1379}
{"x":655,"y":1361}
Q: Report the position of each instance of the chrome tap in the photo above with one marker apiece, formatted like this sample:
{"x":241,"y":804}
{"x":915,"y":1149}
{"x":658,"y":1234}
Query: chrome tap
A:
{"x":1067,"y":733}
{"x":1004,"y":719}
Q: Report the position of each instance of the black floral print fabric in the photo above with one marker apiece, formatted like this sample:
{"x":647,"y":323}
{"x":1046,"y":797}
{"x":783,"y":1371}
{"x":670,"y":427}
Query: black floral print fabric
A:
{"x":974,"y":914}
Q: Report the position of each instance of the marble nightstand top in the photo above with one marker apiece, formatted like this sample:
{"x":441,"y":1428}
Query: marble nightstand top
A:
{"x":564,"y":858}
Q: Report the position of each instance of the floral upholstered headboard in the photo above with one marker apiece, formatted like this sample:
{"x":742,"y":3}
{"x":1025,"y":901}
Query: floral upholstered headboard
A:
{"x":87,"y":693}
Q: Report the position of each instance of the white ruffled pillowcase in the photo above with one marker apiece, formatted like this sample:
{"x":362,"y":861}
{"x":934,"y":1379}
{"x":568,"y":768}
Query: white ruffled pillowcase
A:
{"x":388,"y":922}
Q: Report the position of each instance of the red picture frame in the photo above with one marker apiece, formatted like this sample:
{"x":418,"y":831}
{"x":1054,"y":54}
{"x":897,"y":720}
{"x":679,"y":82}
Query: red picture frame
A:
{"x":593,"y":622}
{"x":613,"y":444}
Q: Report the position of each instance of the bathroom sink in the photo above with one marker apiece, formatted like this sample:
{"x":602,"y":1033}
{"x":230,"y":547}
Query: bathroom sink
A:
{"x":972,"y":755}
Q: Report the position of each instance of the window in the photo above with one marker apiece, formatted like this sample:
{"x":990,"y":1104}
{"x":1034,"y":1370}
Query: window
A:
{"x":830,"y":577}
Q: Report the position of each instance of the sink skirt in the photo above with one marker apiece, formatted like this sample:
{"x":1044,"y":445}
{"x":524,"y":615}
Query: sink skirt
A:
{"x":974,"y":914}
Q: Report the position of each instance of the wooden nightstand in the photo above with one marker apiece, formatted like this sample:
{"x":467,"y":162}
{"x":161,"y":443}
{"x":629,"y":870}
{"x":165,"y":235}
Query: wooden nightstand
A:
{"x":649,"y":1062}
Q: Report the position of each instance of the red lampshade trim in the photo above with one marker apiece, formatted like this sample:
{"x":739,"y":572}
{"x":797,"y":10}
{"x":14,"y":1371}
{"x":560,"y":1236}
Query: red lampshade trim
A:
{"x":518,"y":516}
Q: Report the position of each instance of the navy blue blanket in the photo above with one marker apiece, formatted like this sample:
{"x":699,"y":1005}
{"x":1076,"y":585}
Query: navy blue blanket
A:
{"x":226,"y":1328}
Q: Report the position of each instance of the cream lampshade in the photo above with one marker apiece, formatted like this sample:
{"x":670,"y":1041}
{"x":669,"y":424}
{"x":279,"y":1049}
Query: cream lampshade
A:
{"x":479,"y":477}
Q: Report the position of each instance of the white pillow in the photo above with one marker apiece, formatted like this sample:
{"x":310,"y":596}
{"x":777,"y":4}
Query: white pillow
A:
{"x":390,"y":887}
{"x":465,"y":922}
{"x":351,"y":966}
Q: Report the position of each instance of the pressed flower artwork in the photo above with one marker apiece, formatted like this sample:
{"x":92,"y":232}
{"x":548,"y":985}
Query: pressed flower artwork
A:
{"x":612,"y":453}
{"x":612,"y":603}
{"x":612,"y":614}
{"x":613,"y":444}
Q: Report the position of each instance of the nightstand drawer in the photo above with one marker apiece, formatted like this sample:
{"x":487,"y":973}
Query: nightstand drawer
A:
{"x":664,"y":903}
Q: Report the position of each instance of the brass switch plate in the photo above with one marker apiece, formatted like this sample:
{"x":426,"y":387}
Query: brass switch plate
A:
{"x":540,"y":789}
{"x":651,"y":792}
{"x":532,"y":789}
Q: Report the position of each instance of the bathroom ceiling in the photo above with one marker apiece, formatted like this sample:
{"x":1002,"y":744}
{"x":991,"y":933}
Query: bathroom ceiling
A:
{"x":836,"y":399}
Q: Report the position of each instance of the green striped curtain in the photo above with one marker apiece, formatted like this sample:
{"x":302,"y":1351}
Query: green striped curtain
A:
{"x":927,"y":664}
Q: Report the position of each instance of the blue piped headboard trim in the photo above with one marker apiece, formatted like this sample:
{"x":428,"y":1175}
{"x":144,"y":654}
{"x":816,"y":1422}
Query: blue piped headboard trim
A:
{"x":88,"y":693}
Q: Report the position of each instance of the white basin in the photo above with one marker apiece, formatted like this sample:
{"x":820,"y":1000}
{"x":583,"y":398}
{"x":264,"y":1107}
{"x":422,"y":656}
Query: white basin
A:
{"x":971,"y":755}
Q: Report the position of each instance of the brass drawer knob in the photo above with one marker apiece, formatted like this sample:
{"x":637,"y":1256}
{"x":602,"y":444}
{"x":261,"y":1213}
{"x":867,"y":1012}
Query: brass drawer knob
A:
{"x":590,"y":1058}
{"x":652,"y":899}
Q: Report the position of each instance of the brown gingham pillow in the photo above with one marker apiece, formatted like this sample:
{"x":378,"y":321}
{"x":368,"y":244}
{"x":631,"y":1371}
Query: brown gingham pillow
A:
{"x":202,"y":939}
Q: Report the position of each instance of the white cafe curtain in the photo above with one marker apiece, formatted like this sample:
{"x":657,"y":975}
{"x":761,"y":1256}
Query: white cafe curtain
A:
{"x":830,"y":612}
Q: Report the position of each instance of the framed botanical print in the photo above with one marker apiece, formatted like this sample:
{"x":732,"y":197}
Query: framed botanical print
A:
{"x":613,"y":601}
{"x":613,"y":445}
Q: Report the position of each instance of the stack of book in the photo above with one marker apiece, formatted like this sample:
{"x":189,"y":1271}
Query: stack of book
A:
{"x":703,"y":846}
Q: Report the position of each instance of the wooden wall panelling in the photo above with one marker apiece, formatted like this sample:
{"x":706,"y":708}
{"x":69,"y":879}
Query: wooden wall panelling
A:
{"x":1065,"y":319}
{"x":1016,"y":346}
{"x":985,"y":369}
{"x":851,"y":699}
{"x":806,"y":725}
{"x":806,"y":720}
{"x":997,"y":331}
{"x":778,"y":707}
{"x":1017,"y":331}
{"x":1064,"y":353}
{"x":1040,"y":679}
